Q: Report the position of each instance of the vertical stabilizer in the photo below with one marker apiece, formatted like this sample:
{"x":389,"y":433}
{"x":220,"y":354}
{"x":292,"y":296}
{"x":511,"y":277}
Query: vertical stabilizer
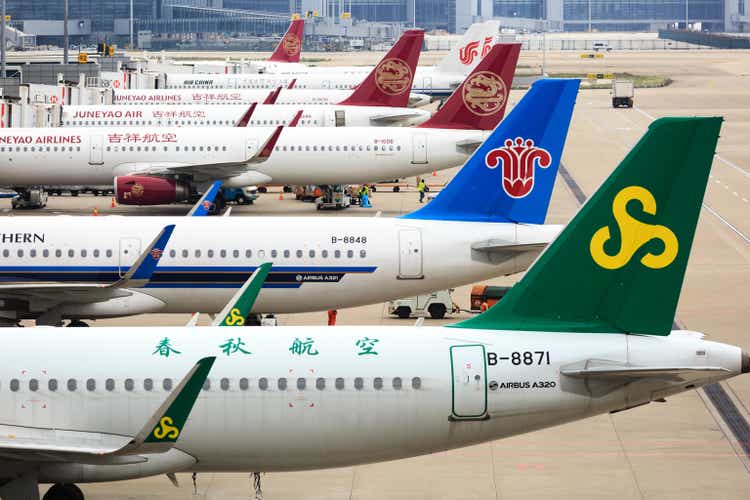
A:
{"x":289,"y":48}
{"x":618,"y":266}
{"x":389,"y":83}
{"x":475,"y":44}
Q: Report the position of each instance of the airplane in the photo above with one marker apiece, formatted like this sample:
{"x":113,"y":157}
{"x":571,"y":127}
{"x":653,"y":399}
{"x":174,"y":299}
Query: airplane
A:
{"x":488,"y":221}
{"x":388,"y":84}
{"x":161,"y":165}
{"x":436,"y":81}
{"x":587,"y":331}
{"x":231,"y":115}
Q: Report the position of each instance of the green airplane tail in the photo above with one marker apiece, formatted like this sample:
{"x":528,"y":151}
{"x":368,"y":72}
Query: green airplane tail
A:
{"x":618,"y":266}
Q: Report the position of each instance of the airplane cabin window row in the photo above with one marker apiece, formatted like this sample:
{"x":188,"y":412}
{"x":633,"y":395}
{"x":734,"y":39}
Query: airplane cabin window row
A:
{"x":40,"y":149}
{"x":185,"y":253}
{"x":169,"y":123}
{"x":225,"y":384}
{"x":339,"y":148}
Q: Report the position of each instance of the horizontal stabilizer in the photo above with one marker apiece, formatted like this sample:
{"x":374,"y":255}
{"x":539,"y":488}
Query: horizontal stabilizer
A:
{"x":607,"y":371}
{"x":492,"y":245}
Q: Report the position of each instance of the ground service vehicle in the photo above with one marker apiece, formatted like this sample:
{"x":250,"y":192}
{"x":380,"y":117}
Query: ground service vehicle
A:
{"x":622,"y":93}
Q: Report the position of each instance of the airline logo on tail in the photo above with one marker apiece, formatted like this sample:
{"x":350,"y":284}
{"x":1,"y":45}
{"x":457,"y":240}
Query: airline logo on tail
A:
{"x":393,"y":76}
{"x":519,"y":161}
{"x":291,"y":44}
{"x":470,"y":51}
{"x":634,"y":234}
{"x":165,"y":429}
{"x":484,"y":93}
{"x":156,"y":253}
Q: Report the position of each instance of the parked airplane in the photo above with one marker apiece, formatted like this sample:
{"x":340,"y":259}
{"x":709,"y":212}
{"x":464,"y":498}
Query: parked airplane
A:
{"x":388,"y":84}
{"x":495,"y":229}
{"x":585,"y":332}
{"x":201,"y":115}
{"x":164,"y":165}
{"x":436,"y":81}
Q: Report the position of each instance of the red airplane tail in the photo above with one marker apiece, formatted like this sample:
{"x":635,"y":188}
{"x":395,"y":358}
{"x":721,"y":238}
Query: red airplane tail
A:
{"x":290,"y":46}
{"x":479,"y":102}
{"x":389,"y":83}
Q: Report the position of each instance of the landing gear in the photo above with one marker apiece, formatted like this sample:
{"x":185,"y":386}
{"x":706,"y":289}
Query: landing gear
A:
{"x":63,"y":491}
{"x":77,"y":323}
{"x":30,"y":198}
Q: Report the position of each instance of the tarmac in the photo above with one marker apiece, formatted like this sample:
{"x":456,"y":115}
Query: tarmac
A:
{"x":684,"y":448}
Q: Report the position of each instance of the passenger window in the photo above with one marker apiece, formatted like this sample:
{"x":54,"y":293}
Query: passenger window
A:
{"x":129,"y":384}
{"x":339,"y":383}
{"x":52,"y":384}
{"x":397,"y":383}
{"x":311,"y":253}
{"x":96,"y":253}
{"x":248,"y":253}
{"x":363,"y":253}
{"x":148,"y":384}
{"x":299,"y":254}
{"x":6,"y":253}
{"x":207,"y":384}
{"x":416,"y":383}
{"x":109,"y":384}
{"x":320,"y":384}
{"x":223,"y":254}
{"x":14,"y":385}
{"x":72,"y":384}
{"x":32,"y":253}
{"x":20,"y":252}
{"x":210,"y":254}
{"x":350,"y":253}
{"x":184,"y":254}
{"x":274,"y":253}
{"x":377,"y":383}
{"x":172,"y":253}
{"x":224,"y":384}
{"x":337,"y":254}
{"x":301,"y":384}
{"x":244,"y":384}
{"x":263,"y":383}
{"x":109,"y":253}
{"x":197,"y":253}
{"x":83,"y":253}
{"x":359,"y":383}
{"x":286,"y":254}
{"x":33,"y":385}
{"x":324,"y":254}
{"x":91,"y":384}
{"x":166,"y":384}
{"x":236,"y":254}
{"x":71,"y":253}
{"x":281,"y":384}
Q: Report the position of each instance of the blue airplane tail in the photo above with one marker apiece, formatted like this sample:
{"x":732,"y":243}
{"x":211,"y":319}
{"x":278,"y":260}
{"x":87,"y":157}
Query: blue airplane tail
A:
{"x":510,"y":177}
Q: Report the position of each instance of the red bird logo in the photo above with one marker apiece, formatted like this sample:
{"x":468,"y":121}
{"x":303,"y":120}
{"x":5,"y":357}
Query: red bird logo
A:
{"x":520,"y":159}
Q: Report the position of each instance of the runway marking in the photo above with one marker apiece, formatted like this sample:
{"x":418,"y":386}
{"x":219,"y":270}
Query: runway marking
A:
{"x":722,"y":219}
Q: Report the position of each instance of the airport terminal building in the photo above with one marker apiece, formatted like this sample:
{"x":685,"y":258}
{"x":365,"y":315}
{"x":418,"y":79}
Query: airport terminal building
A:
{"x":95,"y":20}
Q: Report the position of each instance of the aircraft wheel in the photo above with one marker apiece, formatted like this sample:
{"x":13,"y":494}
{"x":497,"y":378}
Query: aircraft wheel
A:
{"x":437,"y":311}
{"x":64,"y":491}
{"x":241,"y":200}
{"x":77,"y":323}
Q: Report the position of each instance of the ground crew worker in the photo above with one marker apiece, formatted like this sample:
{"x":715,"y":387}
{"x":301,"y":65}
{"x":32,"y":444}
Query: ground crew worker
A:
{"x":421,"y":187}
{"x":364,"y":196}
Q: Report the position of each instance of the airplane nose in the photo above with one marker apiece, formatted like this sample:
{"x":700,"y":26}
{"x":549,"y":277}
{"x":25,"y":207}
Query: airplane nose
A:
{"x":745,"y":362}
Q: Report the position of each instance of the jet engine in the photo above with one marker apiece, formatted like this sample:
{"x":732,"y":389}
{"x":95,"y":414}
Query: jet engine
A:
{"x":146,"y":190}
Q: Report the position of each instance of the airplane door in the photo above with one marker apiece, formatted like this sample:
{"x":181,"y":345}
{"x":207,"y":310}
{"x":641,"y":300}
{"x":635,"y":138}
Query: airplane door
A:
{"x":96,"y":147}
{"x":419,"y":148}
{"x":469,"y":375}
{"x":130,"y":249}
{"x":340,"y":118}
{"x":410,"y":254}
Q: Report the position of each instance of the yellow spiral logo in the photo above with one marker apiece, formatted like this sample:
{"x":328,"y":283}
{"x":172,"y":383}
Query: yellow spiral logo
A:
{"x":634,"y":234}
{"x":165,"y":429}
{"x":234,"y":318}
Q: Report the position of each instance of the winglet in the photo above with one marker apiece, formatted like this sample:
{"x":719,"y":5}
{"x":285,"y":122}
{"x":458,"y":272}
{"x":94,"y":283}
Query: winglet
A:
{"x":140,"y":272}
{"x":296,"y":119}
{"x":203,"y":206}
{"x":289,"y":48}
{"x":245,"y":119}
{"x":272,"y":96}
{"x":165,"y":426}
{"x":265,"y":151}
{"x":238,"y":308}
{"x":390,"y":82}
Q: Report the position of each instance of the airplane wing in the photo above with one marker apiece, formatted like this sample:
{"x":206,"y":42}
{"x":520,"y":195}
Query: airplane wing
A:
{"x":203,"y":206}
{"x":210,"y":171}
{"x":392,"y":119}
{"x":158,"y":435}
{"x":45,"y":295}
{"x":238,"y":308}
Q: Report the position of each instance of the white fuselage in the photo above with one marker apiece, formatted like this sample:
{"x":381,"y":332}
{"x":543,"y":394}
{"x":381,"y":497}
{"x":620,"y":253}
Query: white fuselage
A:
{"x":95,"y":156}
{"x":427,"y":80}
{"x":228,"y":115}
{"x":319,"y":263}
{"x":296,"y":398}
{"x":239,"y":96}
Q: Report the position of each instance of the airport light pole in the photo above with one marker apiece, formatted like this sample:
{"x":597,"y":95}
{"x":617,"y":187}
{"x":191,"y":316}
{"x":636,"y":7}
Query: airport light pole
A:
{"x":131,"y":24}
{"x":65,"y":34}
{"x":686,"y":15}
{"x":590,"y":16}
{"x":2,"y":48}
